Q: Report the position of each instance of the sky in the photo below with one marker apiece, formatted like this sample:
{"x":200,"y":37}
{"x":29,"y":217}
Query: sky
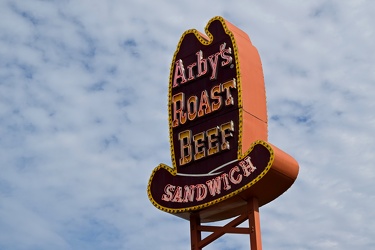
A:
{"x":84,"y":120}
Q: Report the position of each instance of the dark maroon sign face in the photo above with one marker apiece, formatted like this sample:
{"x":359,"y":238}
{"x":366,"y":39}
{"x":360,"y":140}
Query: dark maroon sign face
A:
{"x":204,"y":115}
{"x":199,"y":191}
{"x":217,"y":119}
{"x":218,"y":129}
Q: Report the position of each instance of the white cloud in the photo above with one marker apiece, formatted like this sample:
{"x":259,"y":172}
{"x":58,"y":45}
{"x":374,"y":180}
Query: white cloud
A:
{"x":83,"y":120}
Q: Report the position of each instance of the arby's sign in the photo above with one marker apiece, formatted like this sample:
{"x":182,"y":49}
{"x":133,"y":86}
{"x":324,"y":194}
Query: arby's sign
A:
{"x":218,"y":129}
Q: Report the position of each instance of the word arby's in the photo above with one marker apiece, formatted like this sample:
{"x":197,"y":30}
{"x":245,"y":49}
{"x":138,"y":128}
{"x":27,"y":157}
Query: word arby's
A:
{"x":212,"y":187}
{"x":201,"y":66}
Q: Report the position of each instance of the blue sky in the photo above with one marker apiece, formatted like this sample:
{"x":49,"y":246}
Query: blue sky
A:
{"x":84,"y":120}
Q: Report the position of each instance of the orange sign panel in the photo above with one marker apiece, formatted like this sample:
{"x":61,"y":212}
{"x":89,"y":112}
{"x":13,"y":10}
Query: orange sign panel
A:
{"x":218,"y":129}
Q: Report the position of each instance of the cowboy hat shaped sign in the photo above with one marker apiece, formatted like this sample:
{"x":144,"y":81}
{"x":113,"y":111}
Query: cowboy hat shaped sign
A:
{"x":218,"y":129}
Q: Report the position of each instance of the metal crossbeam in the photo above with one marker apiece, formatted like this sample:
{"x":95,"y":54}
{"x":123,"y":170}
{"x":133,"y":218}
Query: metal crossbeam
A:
{"x":252,"y":214}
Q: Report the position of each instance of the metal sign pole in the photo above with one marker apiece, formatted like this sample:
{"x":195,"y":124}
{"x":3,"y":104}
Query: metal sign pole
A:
{"x":254,"y":223}
{"x":195,"y":234}
{"x":251,"y":214}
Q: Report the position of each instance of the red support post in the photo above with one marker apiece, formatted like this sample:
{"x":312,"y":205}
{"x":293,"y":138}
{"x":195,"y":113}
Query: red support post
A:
{"x":195,"y":233}
{"x":251,"y":214}
{"x":254,"y":223}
